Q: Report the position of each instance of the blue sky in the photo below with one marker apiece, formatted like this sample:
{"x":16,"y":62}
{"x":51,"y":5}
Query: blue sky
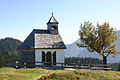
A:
{"x":19,"y":17}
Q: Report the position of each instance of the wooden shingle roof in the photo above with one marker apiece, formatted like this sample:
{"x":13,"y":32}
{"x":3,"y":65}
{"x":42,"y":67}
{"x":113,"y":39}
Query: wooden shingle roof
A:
{"x":42,"y":39}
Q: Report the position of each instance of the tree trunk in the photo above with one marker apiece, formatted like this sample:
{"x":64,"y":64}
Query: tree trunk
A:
{"x":104,"y":59}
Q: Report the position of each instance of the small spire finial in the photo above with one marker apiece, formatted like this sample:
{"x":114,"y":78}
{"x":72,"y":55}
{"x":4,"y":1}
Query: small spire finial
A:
{"x":52,"y":12}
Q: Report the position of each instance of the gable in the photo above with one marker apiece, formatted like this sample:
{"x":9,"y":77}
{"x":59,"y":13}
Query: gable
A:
{"x":48,"y":41}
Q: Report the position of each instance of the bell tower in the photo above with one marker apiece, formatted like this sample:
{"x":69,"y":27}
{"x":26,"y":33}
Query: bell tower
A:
{"x":52,"y":25}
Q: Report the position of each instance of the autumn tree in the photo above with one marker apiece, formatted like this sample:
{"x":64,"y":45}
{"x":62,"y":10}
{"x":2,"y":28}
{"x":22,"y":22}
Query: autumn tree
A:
{"x":101,"y":39}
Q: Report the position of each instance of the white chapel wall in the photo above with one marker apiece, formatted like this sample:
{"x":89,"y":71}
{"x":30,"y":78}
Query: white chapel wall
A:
{"x":38,"y":57}
{"x":59,"y":55}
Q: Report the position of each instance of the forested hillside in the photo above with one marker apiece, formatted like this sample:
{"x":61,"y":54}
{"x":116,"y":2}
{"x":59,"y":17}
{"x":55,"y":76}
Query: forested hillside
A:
{"x":9,"y":45}
{"x":8,"y":50}
{"x":83,"y":60}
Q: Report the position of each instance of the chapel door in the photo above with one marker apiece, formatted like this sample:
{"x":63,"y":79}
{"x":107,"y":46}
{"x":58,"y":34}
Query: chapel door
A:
{"x":48,"y":58}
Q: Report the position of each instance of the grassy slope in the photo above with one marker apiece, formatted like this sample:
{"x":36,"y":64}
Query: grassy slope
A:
{"x":83,"y":75}
{"x":22,"y":74}
{"x":35,"y":73}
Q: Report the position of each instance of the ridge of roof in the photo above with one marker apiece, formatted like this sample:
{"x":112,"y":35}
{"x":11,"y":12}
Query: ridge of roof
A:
{"x":41,"y":31}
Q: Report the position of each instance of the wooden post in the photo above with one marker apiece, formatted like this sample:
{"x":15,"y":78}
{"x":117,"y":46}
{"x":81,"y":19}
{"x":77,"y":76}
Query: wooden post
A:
{"x":94,"y":66}
{"x":43,"y":64}
{"x":82,"y":66}
{"x":75,"y":66}
{"x":79,"y":66}
{"x":62,"y":65}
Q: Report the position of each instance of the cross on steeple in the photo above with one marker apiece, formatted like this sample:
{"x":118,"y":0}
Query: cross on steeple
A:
{"x":52,"y":12}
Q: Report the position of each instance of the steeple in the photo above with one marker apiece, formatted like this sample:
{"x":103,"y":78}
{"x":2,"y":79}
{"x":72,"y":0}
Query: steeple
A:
{"x":52,"y":25}
{"x":52,"y":20}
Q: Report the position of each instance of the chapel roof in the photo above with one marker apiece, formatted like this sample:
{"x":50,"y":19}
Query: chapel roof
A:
{"x":52,"y":20}
{"x":42,"y":39}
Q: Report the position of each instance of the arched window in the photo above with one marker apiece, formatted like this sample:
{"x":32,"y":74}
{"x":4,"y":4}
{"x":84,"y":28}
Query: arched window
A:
{"x":54,"y":27}
{"x":43,"y":56}
{"x":54,"y":58}
{"x":48,"y":58}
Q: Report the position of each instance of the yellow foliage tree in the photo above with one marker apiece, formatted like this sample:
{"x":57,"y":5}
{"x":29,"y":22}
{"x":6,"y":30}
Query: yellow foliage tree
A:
{"x":101,"y":39}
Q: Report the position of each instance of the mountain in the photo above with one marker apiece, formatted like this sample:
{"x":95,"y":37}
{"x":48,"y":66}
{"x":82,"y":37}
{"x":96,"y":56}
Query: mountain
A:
{"x":9,"y":46}
{"x":74,"y":51}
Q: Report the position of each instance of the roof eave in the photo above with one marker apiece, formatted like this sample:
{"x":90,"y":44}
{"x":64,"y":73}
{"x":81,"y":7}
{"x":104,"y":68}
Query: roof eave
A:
{"x":52,"y":22}
{"x":39,"y":48}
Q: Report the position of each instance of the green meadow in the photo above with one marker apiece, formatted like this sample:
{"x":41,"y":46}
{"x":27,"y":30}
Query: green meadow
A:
{"x":43,"y":74}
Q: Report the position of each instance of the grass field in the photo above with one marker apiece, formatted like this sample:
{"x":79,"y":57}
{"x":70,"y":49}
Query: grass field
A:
{"x":43,"y":74}
{"x":23,"y":74}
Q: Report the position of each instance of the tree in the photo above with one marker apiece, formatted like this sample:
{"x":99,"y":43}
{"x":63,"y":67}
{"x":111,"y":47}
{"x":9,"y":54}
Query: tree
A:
{"x":101,"y":39}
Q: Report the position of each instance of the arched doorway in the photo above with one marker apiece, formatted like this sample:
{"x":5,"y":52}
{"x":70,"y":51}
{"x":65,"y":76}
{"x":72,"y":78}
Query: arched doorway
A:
{"x":43,"y":56}
{"x":54,"y":58}
{"x":48,"y":58}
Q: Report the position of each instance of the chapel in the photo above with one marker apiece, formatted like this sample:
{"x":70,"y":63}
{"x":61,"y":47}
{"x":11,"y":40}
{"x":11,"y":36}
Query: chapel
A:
{"x":43,"y":46}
